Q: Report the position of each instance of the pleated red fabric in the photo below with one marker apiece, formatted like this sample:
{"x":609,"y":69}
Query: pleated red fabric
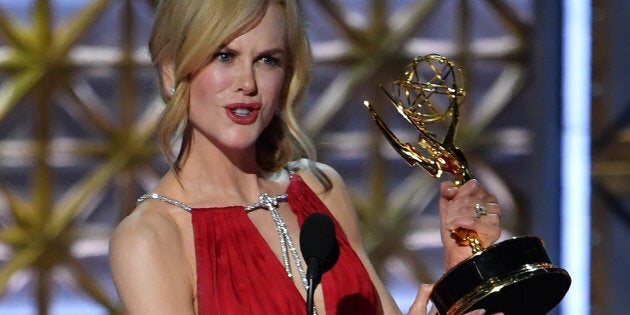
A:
{"x":237,"y":273}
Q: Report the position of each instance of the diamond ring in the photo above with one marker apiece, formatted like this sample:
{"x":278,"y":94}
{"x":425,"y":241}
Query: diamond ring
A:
{"x":480,"y":210}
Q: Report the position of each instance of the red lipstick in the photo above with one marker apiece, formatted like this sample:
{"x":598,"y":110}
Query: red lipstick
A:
{"x":243,"y":113}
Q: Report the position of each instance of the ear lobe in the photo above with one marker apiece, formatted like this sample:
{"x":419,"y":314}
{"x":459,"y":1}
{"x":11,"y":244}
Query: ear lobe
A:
{"x":167,"y":72}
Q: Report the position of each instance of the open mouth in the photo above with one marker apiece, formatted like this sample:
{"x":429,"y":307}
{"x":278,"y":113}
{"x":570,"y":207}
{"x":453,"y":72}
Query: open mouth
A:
{"x":241,"y":111}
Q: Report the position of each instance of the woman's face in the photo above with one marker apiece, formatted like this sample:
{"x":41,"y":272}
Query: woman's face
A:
{"x":234,"y":97}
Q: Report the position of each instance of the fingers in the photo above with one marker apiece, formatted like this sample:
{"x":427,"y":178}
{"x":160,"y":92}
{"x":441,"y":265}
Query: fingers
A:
{"x":490,"y":208}
{"x":481,"y":312}
{"x":471,"y":188}
{"x":448,"y":190}
{"x":470,"y":207}
{"x":469,"y":200}
{"x":419,"y":306}
{"x":475,"y":214}
{"x":466,"y":216}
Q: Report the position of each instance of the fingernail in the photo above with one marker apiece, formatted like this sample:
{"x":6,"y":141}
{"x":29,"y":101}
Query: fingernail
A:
{"x":452,"y":188}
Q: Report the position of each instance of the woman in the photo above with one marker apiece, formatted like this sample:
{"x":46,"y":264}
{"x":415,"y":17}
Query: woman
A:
{"x":231,"y":73}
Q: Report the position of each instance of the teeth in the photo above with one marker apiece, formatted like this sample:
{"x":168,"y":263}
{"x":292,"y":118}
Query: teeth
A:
{"x":241,"y":111}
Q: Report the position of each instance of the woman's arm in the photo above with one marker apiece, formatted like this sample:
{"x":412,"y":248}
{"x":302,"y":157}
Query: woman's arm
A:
{"x":148,"y":266}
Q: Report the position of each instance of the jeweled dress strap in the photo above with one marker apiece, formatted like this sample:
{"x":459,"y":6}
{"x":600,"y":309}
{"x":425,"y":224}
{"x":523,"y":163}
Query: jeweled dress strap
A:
{"x":172,"y":201}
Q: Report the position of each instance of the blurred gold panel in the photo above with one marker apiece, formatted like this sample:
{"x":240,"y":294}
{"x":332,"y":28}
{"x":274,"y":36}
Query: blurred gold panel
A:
{"x":75,"y":132}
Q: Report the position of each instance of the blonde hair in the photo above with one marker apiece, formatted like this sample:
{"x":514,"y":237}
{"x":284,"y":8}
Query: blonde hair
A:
{"x":185,"y":34}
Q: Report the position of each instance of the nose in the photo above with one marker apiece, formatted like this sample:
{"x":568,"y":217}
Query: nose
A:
{"x":247,"y":80}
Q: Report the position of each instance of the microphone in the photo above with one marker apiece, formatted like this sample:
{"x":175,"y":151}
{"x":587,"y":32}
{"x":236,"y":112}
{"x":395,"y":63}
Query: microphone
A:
{"x":319,"y":249}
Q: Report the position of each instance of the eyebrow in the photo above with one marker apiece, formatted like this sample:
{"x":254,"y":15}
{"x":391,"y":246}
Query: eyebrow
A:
{"x":270,"y":51}
{"x":273,"y":51}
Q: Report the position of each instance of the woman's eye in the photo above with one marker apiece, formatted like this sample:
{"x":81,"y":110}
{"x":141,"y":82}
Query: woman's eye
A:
{"x":270,"y":60}
{"x":223,"y":56}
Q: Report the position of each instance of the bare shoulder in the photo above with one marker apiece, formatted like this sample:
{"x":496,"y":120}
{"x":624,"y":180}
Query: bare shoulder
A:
{"x":147,"y":234}
{"x":148,"y":262}
{"x":337,"y":199}
{"x":307,"y":170}
{"x":145,"y":229}
{"x":339,"y":202}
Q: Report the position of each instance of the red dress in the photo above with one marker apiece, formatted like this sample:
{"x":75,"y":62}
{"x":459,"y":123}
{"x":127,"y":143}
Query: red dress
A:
{"x":237,"y":273}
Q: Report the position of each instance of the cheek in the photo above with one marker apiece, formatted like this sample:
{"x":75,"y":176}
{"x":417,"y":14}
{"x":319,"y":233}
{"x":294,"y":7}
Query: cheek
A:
{"x":273,"y":85}
{"x":206,"y":84}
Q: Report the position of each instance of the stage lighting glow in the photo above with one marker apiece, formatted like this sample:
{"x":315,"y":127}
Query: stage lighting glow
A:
{"x":576,"y":164}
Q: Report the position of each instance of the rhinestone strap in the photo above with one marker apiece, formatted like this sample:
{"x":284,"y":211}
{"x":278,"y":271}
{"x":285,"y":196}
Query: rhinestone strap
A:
{"x":286,"y":244}
{"x":165,"y":199}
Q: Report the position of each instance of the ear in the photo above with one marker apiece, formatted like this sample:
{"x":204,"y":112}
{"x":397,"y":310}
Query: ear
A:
{"x":167,"y":73}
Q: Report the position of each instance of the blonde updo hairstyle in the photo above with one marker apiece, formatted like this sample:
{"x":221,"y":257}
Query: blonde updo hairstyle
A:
{"x":184,"y":37}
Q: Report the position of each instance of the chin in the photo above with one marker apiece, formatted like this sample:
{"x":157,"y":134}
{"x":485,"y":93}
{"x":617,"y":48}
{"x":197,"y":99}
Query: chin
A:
{"x":238,"y":144}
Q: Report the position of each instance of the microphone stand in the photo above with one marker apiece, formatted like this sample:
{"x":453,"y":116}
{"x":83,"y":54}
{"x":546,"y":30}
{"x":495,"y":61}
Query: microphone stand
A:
{"x":312,"y":280}
{"x":320,"y":251}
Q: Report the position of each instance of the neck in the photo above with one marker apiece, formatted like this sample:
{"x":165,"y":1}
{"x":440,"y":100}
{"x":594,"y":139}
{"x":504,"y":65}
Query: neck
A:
{"x":214,"y":177}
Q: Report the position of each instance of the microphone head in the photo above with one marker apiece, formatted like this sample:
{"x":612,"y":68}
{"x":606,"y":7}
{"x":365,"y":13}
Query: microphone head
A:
{"x":318,"y":240}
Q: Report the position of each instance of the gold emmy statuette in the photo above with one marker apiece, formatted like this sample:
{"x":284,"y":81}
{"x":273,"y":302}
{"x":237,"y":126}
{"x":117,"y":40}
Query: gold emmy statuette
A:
{"x":515,"y":276}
